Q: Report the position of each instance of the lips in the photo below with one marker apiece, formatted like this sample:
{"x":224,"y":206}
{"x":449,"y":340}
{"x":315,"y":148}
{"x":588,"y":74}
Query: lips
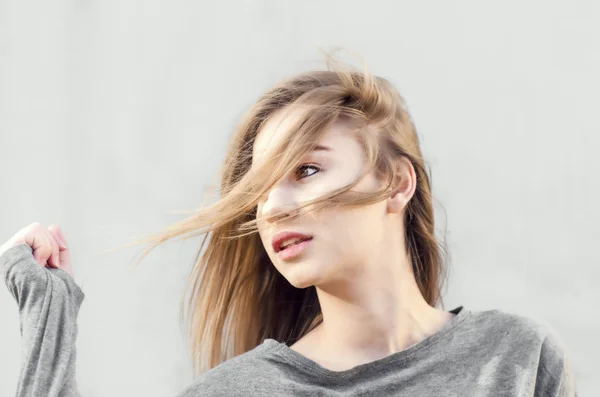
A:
{"x":280,"y":238}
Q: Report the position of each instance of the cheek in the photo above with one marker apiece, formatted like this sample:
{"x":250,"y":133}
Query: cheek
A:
{"x":353,"y":231}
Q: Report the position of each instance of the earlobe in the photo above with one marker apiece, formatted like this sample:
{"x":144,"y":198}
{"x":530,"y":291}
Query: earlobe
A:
{"x":396,"y":202}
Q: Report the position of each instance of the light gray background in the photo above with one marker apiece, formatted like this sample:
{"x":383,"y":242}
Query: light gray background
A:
{"x":114,"y":114}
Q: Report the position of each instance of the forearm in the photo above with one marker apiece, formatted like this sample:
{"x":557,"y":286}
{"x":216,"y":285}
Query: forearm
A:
{"x":48,"y":300}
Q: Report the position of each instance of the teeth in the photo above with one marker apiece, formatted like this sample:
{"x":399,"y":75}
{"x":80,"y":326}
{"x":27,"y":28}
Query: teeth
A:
{"x":288,"y":242}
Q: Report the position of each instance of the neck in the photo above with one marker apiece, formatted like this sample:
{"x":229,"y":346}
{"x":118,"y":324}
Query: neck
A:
{"x":379,"y":313}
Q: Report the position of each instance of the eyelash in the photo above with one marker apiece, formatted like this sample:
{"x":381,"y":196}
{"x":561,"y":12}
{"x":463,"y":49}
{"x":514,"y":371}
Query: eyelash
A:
{"x":307,"y":166}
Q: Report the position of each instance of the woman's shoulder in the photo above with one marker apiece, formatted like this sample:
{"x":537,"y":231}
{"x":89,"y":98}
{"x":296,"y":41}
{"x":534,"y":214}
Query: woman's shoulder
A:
{"x":523,"y":333}
{"x":493,"y":338}
{"x":507,"y":322}
{"x":235,"y":376}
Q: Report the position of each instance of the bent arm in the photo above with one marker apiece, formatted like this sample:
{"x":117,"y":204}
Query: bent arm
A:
{"x":48,"y":300}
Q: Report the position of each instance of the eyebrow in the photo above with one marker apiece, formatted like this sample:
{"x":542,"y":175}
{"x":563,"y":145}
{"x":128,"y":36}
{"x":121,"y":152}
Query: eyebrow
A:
{"x":318,"y":148}
{"x":321,"y":147}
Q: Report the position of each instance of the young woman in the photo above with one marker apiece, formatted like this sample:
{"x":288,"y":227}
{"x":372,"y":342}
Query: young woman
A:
{"x":320,"y":273}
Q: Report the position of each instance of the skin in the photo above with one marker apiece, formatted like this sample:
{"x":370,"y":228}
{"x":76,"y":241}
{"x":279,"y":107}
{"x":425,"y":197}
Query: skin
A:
{"x":357,"y":259}
{"x":49,"y":245}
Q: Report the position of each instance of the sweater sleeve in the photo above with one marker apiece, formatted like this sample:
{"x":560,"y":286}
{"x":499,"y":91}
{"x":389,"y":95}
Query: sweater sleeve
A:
{"x":555,"y":373}
{"x":48,"y":300}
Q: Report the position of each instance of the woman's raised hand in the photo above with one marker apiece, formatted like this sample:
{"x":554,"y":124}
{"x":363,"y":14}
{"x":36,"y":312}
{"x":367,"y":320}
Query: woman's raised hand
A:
{"x":49,"y":245}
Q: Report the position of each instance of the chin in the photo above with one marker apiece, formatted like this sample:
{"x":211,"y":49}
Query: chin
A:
{"x":301,"y":278}
{"x":301,"y":284}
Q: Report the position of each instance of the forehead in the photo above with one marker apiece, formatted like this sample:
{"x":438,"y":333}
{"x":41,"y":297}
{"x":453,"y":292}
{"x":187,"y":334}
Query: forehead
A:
{"x":274,"y":130}
{"x":280,"y":124}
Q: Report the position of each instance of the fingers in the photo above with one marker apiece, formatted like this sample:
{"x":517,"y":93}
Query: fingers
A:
{"x":49,"y":247}
{"x":44,"y":248}
{"x":60,"y":234}
{"x":54,"y":259}
{"x":64,"y":253}
{"x":43,"y":244}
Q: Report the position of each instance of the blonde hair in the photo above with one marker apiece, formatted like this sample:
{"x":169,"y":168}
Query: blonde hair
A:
{"x":235,"y":297}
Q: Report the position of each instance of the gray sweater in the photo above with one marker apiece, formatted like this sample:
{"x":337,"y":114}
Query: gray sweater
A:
{"x":478,"y":353}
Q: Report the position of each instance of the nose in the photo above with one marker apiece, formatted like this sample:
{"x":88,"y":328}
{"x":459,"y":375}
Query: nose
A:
{"x":279,"y":204}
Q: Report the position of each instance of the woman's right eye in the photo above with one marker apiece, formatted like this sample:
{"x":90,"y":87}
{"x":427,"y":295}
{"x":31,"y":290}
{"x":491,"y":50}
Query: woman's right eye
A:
{"x":300,"y":174}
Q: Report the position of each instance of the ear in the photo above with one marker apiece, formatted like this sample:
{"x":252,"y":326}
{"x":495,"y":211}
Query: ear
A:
{"x":405,"y":186}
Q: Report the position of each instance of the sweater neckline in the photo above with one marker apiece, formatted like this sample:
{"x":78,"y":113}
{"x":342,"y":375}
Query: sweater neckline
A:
{"x":411,"y":352}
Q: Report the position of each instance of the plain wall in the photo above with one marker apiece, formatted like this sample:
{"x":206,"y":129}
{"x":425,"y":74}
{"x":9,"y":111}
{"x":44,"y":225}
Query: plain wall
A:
{"x":115,"y":114}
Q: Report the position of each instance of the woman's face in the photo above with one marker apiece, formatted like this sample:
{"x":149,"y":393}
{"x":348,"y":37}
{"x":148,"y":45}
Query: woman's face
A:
{"x":344,"y":238}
